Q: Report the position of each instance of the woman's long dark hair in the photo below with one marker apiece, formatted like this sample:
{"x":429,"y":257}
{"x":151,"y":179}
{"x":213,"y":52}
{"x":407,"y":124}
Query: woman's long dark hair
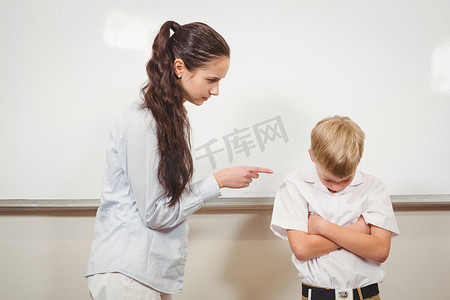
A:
{"x":196,"y":44}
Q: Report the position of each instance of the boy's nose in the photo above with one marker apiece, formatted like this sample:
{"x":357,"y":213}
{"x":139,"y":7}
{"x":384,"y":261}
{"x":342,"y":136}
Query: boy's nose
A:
{"x":336,"y":187}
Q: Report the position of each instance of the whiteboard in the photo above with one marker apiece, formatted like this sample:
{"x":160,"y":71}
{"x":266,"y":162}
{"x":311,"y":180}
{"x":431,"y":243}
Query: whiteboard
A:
{"x":69,"y":68}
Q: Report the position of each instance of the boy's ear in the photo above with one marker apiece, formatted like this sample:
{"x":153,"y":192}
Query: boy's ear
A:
{"x":178,"y":67}
{"x":310,"y":155}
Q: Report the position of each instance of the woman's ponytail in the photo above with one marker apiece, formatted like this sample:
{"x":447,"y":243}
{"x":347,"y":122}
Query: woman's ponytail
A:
{"x":196,"y":44}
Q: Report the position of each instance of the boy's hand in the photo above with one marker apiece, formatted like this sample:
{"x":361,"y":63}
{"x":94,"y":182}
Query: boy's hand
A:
{"x":316,"y":224}
{"x":360,"y":226}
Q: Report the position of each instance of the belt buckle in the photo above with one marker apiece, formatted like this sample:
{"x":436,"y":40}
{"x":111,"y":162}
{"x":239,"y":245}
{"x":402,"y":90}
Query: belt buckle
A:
{"x":344,"y":294}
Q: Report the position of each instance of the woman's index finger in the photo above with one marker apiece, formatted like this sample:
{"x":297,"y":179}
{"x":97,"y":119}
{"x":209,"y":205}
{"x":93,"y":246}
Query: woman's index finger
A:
{"x":260,"y":170}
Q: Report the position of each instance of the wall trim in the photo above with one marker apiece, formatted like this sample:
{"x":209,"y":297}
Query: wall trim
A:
{"x":399,"y":202}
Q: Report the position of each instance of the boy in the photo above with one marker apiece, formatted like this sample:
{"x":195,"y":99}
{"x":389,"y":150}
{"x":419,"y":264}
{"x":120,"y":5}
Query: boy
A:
{"x":338,"y":221}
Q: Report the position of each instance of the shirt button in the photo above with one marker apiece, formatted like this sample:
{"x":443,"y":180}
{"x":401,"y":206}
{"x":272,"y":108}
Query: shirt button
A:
{"x":332,"y":215}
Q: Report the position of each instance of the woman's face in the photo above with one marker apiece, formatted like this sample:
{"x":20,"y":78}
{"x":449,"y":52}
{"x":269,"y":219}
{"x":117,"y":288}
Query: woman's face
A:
{"x":200,"y":84}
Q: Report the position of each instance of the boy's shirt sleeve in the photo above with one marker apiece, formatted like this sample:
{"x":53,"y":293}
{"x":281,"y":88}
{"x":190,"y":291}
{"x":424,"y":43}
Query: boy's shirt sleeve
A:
{"x":379,"y":210}
{"x":290,"y":209}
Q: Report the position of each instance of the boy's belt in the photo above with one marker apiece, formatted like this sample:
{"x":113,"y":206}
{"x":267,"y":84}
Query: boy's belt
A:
{"x":330,"y":294}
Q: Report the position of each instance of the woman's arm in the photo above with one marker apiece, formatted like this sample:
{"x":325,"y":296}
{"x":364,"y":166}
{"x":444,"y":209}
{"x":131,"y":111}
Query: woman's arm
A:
{"x":374,"y":246}
{"x":153,"y":205}
{"x":307,"y":246}
{"x":141,"y":170}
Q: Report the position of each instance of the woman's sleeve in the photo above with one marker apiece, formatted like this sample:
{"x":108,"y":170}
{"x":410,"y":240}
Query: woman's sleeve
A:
{"x":142,"y":160}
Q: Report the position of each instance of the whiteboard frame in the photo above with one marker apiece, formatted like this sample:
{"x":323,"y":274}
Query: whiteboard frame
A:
{"x":223,"y":203}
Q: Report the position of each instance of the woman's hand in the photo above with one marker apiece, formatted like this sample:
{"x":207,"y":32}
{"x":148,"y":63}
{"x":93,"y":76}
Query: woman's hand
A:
{"x":238,"y":177}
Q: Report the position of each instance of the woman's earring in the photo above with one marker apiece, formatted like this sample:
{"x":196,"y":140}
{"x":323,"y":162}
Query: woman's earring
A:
{"x":179,"y":75}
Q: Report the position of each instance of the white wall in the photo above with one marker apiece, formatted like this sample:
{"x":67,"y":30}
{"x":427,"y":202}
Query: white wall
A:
{"x":231,"y":255}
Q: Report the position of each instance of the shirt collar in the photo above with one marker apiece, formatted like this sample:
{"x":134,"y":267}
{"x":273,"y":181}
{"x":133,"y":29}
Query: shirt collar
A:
{"x":357,"y":180}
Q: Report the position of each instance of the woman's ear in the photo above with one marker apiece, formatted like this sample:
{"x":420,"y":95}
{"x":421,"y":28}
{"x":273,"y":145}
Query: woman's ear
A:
{"x":178,"y":67}
{"x":310,"y":155}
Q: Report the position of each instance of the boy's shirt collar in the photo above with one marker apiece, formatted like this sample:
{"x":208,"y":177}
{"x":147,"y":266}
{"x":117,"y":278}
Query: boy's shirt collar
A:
{"x":313,"y":178}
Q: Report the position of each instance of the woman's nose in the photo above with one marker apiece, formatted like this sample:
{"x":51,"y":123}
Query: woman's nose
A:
{"x":215,"y":90}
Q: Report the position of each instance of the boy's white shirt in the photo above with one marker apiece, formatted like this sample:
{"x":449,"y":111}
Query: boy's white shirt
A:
{"x":302,"y":194}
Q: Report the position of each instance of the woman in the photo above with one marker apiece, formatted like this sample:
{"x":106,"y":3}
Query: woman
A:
{"x":139,"y":248}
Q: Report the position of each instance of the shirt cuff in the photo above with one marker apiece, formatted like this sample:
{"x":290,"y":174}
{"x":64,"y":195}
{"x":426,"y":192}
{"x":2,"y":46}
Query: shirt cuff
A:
{"x":382,"y":223}
{"x":279,"y":228}
{"x":209,"y":188}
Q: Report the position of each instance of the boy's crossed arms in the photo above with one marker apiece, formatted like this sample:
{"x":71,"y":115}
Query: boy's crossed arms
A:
{"x":323,"y":237}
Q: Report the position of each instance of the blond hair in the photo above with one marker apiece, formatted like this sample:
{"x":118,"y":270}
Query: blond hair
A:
{"x":337,"y":145}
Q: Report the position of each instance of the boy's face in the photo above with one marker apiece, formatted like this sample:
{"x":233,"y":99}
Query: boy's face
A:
{"x":331,"y":182}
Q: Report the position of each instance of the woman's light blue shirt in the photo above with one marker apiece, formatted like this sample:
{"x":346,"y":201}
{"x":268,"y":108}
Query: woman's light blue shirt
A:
{"x":136,"y":232}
